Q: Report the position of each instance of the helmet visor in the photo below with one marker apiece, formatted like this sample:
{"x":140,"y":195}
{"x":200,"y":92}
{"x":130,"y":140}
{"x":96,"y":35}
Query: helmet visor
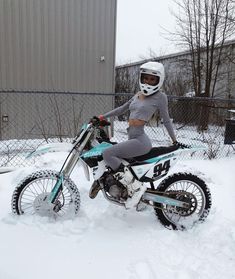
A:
{"x":149,"y":79}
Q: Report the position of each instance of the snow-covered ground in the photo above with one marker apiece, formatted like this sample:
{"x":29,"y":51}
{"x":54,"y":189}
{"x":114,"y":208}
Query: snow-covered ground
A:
{"x":106,"y":241}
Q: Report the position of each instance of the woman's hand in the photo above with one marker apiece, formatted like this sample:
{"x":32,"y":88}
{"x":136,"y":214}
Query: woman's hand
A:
{"x":180,"y":144}
{"x":101,"y":117}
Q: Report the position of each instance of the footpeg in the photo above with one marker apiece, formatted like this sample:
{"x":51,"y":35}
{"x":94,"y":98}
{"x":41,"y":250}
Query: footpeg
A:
{"x":94,"y":189}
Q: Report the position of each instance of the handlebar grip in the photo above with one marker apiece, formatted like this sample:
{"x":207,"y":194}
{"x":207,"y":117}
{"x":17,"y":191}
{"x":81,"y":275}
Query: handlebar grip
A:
{"x":104,"y":123}
{"x":97,"y":121}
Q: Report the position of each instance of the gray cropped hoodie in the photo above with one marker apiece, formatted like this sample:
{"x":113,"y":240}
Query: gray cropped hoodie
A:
{"x":143,"y":109}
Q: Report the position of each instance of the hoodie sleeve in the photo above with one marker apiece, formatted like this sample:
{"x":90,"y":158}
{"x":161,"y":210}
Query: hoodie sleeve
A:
{"x":118,"y":111}
{"x":163,"y":107}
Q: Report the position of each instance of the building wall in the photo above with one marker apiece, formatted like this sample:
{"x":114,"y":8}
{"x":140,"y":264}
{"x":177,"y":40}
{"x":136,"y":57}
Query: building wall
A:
{"x":57,"y":45}
{"x":54,"y":46}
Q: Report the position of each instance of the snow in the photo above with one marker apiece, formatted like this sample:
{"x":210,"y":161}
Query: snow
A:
{"x":107,"y":241}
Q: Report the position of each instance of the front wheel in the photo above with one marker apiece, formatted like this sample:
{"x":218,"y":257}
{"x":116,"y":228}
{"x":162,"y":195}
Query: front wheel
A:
{"x":189,"y":188}
{"x":30,"y":196}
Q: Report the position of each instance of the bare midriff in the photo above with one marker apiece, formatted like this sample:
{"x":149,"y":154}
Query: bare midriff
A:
{"x":136,"y":122}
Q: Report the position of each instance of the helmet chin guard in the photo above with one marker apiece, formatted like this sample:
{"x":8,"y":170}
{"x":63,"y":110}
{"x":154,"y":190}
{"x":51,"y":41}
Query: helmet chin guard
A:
{"x":155,"y":69}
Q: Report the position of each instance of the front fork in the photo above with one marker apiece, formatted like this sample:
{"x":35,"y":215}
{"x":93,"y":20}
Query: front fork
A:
{"x":67,"y":168}
{"x":65,"y":171}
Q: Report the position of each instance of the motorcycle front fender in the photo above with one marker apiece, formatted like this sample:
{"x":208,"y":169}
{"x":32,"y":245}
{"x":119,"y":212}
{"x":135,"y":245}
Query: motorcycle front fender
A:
{"x":6,"y":169}
{"x":49,"y":148}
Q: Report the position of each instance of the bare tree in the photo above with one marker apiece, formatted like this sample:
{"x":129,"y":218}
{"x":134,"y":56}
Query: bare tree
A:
{"x":176,"y":84}
{"x":126,"y":80}
{"x":203,"y":26}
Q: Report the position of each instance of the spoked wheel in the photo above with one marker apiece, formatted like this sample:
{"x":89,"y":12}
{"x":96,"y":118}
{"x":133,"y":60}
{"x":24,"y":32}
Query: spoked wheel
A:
{"x":31,"y":196}
{"x":190,"y":189}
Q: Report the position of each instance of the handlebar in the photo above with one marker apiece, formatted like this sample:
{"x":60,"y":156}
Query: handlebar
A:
{"x":99,"y":122}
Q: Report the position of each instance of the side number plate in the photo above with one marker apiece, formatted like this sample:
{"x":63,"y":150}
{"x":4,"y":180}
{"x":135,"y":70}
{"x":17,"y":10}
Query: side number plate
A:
{"x":161,"y":169}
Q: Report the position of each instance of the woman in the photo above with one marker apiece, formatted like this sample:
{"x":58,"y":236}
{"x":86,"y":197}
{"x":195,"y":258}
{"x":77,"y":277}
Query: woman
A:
{"x":142,"y":107}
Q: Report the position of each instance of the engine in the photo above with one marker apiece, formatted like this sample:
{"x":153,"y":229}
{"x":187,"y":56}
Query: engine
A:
{"x":115,"y":188}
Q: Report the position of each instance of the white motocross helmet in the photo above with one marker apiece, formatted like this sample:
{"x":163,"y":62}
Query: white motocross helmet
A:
{"x":155,"y":69}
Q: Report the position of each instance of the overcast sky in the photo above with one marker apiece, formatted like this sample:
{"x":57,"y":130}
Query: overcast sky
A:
{"x":139,"y":29}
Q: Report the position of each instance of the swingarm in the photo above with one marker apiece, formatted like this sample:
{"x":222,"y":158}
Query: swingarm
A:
{"x":172,"y":198}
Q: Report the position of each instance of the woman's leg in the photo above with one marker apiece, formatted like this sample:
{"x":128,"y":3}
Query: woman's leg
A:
{"x":128,"y":149}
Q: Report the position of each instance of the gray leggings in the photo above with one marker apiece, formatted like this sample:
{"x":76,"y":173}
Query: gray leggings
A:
{"x":137,"y":144}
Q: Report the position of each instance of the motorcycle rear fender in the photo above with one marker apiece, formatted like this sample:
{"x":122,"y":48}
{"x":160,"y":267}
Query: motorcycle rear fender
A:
{"x":158,"y":167}
{"x":49,"y":148}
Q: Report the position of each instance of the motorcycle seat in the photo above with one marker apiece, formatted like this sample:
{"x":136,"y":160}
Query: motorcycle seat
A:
{"x":154,"y":152}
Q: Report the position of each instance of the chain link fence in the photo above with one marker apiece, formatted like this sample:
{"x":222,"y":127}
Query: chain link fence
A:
{"x":29,"y":119}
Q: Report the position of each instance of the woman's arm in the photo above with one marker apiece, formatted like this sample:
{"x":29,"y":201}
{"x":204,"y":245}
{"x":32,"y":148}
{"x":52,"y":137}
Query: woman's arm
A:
{"x":118,"y":111}
{"x":163,"y":107}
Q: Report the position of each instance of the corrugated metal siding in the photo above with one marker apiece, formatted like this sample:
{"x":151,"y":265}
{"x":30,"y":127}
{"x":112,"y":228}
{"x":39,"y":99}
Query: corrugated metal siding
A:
{"x":56,"y":45}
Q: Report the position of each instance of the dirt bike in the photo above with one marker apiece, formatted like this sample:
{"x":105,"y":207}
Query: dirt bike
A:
{"x":179,"y":200}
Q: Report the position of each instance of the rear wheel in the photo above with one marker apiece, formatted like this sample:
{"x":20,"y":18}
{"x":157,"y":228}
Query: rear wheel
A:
{"x":30,"y":196}
{"x":184,"y":187}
